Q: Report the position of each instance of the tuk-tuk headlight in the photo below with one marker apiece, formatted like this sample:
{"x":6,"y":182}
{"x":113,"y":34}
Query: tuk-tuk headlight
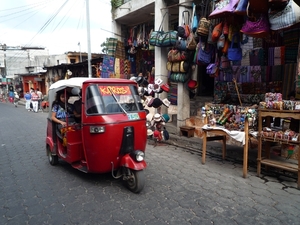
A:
{"x":97,"y":129}
{"x":139,"y":155}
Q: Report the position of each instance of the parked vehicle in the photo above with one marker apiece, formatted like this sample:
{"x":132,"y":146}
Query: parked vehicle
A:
{"x":111,"y":134}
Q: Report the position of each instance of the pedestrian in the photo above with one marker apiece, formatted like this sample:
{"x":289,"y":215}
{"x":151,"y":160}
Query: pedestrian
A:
{"x":34,"y":101}
{"x":16,"y":98}
{"x":40,"y":94}
{"x":11,"y":96}
{"x":27,"y":98}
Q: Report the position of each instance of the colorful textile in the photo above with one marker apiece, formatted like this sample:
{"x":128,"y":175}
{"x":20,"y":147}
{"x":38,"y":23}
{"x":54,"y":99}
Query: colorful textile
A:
{"x":107,"y":66}
{"x":112,"y":46}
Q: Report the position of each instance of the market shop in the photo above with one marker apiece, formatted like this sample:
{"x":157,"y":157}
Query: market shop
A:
{"x":245,"y":52}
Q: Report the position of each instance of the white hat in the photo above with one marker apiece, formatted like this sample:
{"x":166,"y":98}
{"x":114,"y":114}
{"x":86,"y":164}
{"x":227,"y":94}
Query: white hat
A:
{"x":166,"y":102}
{"x":158,"y":81}
{"x":149,"y":116}
{"x":157,"y":117}
{"x":149,"y":132}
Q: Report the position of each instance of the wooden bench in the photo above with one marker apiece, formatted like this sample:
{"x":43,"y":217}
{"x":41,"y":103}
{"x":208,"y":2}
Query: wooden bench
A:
{"x":187,"y":131}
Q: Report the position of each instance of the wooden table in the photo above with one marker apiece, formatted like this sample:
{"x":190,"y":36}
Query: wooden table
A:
{"x":219,"y":133}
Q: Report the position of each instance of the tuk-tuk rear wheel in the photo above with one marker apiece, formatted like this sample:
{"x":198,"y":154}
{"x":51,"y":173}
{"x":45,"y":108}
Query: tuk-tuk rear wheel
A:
{"x":53,"y":159}
{"x":135,"y":181}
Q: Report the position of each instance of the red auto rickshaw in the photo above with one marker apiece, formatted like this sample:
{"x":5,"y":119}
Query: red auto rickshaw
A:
{"x":111,"y":134}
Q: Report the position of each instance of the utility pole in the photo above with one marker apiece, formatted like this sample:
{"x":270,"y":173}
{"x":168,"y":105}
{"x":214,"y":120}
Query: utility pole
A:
{"x":88,"y":38}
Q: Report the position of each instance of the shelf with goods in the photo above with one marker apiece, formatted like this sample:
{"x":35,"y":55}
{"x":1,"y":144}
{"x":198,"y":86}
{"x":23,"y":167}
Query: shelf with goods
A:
{"x":289,"y":138}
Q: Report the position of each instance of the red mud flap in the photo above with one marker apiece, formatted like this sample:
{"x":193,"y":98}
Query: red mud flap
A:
{"x":130,"y":163}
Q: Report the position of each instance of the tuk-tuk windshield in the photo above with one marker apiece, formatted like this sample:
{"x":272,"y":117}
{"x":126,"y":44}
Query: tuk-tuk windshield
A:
{"x":107,"y":99}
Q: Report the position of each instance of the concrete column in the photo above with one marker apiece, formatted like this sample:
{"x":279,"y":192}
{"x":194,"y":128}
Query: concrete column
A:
{"x":161,"y":54}
{"x":183,"y":99}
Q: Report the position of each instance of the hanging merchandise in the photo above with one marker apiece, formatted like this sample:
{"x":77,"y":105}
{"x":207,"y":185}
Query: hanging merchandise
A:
{"x":217,"y":31}
{"x":181,"y":44}
{"x":204,"y":23}
{"x":174,"y":55}
{"x":195,"y":21}
{"x":280,"y":19}
{"x":178,"y":67}
{"x":205,"y":53}
{"x":184,"y":29}
{"x":235,"y":52}
{"x":226,"y":46}
{"x":179,"y":77}
{"x":223,"y":8}
{"x":221,"y":42}
{"x":241,"y":8}
{"x":162,"y":38}
{"x":191,"y":42}
{"x":213,"y":68}
{"x":258,"y":28}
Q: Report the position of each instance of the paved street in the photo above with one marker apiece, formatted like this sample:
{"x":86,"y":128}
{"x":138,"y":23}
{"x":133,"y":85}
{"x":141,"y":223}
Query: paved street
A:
{"x":178,"y":190}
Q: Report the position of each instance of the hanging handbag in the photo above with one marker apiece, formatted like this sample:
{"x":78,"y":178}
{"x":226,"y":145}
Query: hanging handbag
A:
{"x":161,"y":38}
{"x":257,"y":28}
{"x":213,"y":68}
{"x":179,"y":77}
{"x":235,"y":52}
{"x":204,"y":56}
{"x":204,"y":23}
{"x":217,"y":31}
{"x":184,"y":29}
{"x":221,"y":42}
{"x":223,"y":8}
{"x":175,"y":55}
{"x":285,"y":18}
{"x":191,"y":42}
{"x":178,"y":67}
{"x":241,"y":8}
{"x":195,"y":19}
{"x":181,"y":44}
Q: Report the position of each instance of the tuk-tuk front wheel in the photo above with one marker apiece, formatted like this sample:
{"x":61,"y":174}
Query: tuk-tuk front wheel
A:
{"x":53,"y":159}
{"x":135,"y":180}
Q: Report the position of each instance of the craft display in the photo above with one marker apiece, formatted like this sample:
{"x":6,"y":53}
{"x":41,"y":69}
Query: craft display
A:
{"x":231,"y":117}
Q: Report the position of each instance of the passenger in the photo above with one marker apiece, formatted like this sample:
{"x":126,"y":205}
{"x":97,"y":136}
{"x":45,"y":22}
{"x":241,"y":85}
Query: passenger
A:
{"x":59,"y":111}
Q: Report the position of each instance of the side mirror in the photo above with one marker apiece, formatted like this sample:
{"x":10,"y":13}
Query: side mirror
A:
{"x":76,"y":91}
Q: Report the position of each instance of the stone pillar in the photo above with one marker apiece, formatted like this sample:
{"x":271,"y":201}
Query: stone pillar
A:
{"x":183,"y":99}
{"x":161,"y":54}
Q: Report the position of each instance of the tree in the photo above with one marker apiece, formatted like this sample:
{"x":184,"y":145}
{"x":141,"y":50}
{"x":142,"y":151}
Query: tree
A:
{"x":104,"y":46}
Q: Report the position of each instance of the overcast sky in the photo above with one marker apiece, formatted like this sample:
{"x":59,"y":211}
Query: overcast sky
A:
{"x":57,"y":25}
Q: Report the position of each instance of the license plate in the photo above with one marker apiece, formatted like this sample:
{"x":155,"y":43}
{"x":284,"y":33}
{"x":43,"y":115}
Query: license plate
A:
{"x":133,"y":116}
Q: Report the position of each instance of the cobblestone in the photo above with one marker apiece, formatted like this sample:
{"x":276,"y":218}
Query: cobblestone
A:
{"x":179,"y":189}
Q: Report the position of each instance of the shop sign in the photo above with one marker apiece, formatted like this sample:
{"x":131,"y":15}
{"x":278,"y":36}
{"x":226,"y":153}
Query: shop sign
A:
{"x":37,"y":79}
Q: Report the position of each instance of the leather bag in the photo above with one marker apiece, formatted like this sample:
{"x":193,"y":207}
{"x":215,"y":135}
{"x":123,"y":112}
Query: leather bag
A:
{"x":174,"y":55}
{"x":178,"y":67}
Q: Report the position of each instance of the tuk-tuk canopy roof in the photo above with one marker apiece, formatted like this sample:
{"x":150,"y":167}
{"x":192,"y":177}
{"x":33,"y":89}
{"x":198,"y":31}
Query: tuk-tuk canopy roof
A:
{"x":72,"y":82}
{"x":78,"y":81}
